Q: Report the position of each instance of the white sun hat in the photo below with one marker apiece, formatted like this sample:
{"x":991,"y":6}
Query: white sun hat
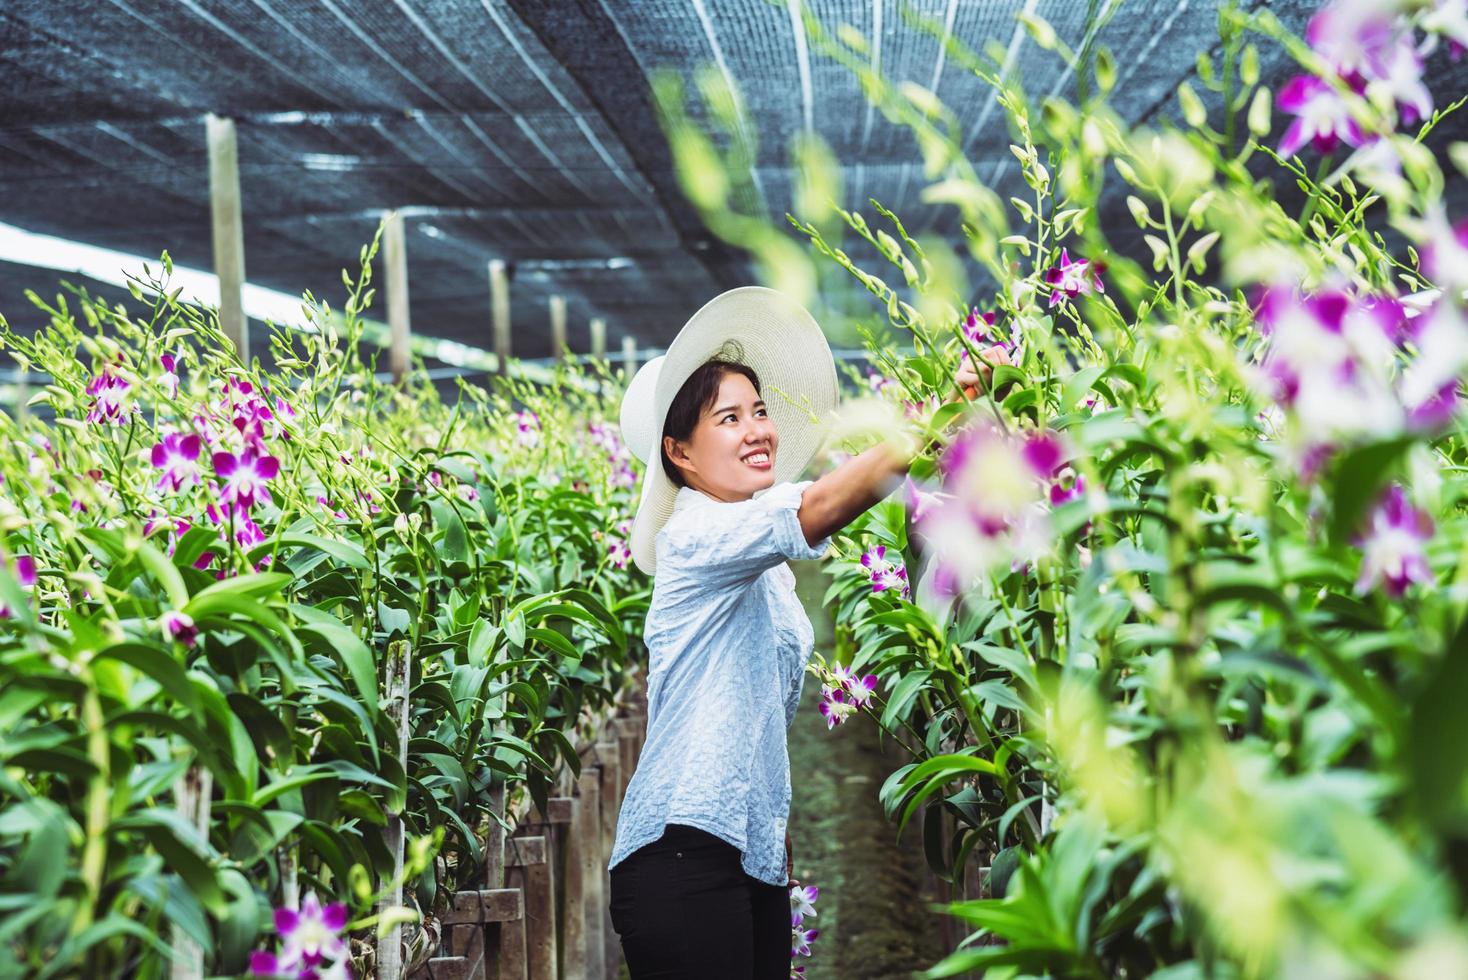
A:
{"x":762,"y":329}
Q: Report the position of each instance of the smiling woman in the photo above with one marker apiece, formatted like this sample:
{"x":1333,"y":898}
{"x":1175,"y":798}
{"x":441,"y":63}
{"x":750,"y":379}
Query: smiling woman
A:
{"x":700,"y":865}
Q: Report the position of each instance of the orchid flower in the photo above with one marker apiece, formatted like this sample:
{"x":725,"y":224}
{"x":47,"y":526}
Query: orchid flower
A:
{"x":1394,"y":545}
{"x":1322,"y":117}
{"x":834,"y":706}
{"x":179,"y":626}
{"x":24,"y":570}
{"x":178,"y":457}
{"x":312,"y":947}
{"x":108,"y":392}
{"x":243,"y":477}
{"x":1073,"y":278}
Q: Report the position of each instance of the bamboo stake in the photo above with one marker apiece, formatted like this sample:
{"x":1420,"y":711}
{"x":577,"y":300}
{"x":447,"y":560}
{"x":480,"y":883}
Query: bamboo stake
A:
{"x":399,"y":667}
{"x":191,"y":794}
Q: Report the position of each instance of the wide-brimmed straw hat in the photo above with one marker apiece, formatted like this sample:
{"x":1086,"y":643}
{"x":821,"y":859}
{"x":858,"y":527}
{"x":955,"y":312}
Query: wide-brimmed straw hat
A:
{"x":754,"y":326}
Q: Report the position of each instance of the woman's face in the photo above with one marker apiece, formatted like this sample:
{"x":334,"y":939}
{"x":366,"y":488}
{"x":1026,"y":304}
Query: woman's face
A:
{"x":731,"y":453}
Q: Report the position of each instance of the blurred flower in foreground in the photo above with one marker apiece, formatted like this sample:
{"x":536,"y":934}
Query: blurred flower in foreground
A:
{"x":312,"y":946}
{"x":1322,"y":117}
{"x":1394,"y":545}
{"x":1367,"y":48}
{"x":1072,"y":279}
{"x":24,"y":570}
{"x":179,"y":626}
{"x":994,"y":511}
{"x":1330,"y":364}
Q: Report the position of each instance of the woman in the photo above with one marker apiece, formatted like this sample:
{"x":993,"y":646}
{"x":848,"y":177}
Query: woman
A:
{"x":701,"y":863}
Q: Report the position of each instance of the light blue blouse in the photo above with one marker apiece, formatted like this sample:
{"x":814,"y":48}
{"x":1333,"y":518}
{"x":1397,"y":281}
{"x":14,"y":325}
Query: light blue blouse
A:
{"x":727,"y":643}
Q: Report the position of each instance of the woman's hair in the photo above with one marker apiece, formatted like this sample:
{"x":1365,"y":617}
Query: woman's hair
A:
{"x":693,"y":399}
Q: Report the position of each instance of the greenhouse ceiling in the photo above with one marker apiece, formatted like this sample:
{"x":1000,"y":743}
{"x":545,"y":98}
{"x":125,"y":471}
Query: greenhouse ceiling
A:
{"x":522,"y":131}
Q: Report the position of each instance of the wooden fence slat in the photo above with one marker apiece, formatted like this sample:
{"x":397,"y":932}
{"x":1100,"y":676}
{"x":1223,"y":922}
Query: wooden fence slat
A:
{"x":593,"y":867}
{"x":512,"y":958}
{"x":608,"y":757}
{"x":572,"y":910}
{"x":532,"y":857}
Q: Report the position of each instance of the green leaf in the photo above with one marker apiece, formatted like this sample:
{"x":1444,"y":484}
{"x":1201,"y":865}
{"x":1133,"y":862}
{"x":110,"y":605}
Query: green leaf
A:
{"x":355,"y":655}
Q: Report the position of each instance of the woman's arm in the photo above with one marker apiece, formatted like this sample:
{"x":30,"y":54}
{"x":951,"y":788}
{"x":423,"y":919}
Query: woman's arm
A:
{"x":839,"y":497}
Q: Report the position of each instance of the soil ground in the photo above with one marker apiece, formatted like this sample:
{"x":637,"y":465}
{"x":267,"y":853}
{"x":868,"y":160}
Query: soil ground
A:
{"x":873,"y":913}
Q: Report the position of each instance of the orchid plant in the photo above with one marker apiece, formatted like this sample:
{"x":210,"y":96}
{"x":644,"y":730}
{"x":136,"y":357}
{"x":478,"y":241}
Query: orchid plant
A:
{"x":1179,"y":661}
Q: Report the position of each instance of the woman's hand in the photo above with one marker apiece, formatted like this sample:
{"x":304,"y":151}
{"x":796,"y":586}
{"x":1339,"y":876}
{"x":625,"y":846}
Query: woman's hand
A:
{"x":974,"y":378}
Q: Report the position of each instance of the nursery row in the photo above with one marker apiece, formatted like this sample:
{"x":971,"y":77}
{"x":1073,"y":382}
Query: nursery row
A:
{"x":278,"y":637}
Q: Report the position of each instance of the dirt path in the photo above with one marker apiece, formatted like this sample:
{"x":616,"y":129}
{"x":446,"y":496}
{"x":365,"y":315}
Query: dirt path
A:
{"x":873,"y":919}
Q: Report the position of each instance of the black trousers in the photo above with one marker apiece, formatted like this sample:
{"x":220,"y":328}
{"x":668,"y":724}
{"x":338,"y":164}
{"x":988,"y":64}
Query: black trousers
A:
{"x":685,"y":909}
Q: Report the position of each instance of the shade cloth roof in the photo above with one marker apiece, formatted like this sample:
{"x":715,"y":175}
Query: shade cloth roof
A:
{"x":521,"y":130}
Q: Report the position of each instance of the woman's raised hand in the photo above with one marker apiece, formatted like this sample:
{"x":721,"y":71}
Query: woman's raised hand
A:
{"x":974,"y":378}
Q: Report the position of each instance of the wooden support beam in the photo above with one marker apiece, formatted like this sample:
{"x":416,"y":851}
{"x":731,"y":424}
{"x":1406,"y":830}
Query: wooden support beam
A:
{"x":558,"y":811}
{"x":559,"y":347}
{"x":499,"y":305}
{"x":509,"y":957}
{"x":629,"y":356}
{"x":573,"y":894}
{"x":593,"y":868}
{"x":227,"y":221}
{"x":628,"y":734}
{"x":598,"y":338}
{"x":395,"y":257}
{"x":530,"y":859}
{"x":484,"y":906}
{"x":608,"y":758}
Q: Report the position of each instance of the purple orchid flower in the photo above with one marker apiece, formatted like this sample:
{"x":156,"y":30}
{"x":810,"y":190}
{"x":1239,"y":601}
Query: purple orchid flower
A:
{"x":246,"y":532}
{"x":1321,"y":117}
{"x":1449,"y":19}
{"x":527,"y":428}
{"x":24,"y":570}
{"x":879,"y":382}
{"x":834,"y":706}
{"x":1366,"y":48}
{"x":170,"y":374}
{"x":1394,"y":545}
{"x":312,"y":947}
{"x":107,"y":391}
{"x":243,"y":477}
{"x":178,"y":457}
{"x":885,"y":574}
{"x":1074,"y":278}
{"x":1445,"y":253}
{"x":802,"y":902}
{"x":800,"y":940}
{"x":620,"y":553}
{"x":179,"y":626}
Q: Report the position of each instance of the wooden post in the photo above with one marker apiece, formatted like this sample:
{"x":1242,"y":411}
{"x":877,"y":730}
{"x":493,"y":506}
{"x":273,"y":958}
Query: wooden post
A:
{"x":598,"y":338}
{"x":395,"y":257}
{"x":228,"y":226}
{"x":191,"y":794}
{"x":629,"y":356}
{"x":609,"y":765}
{"x":528,"y":859}
{"x":395,"y":706}
{"x":574,"y":930}
{"x":499,"y":305}
{"x":558,"y":326}
{"x":588,"y":834}
{"x":472,"y":912}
